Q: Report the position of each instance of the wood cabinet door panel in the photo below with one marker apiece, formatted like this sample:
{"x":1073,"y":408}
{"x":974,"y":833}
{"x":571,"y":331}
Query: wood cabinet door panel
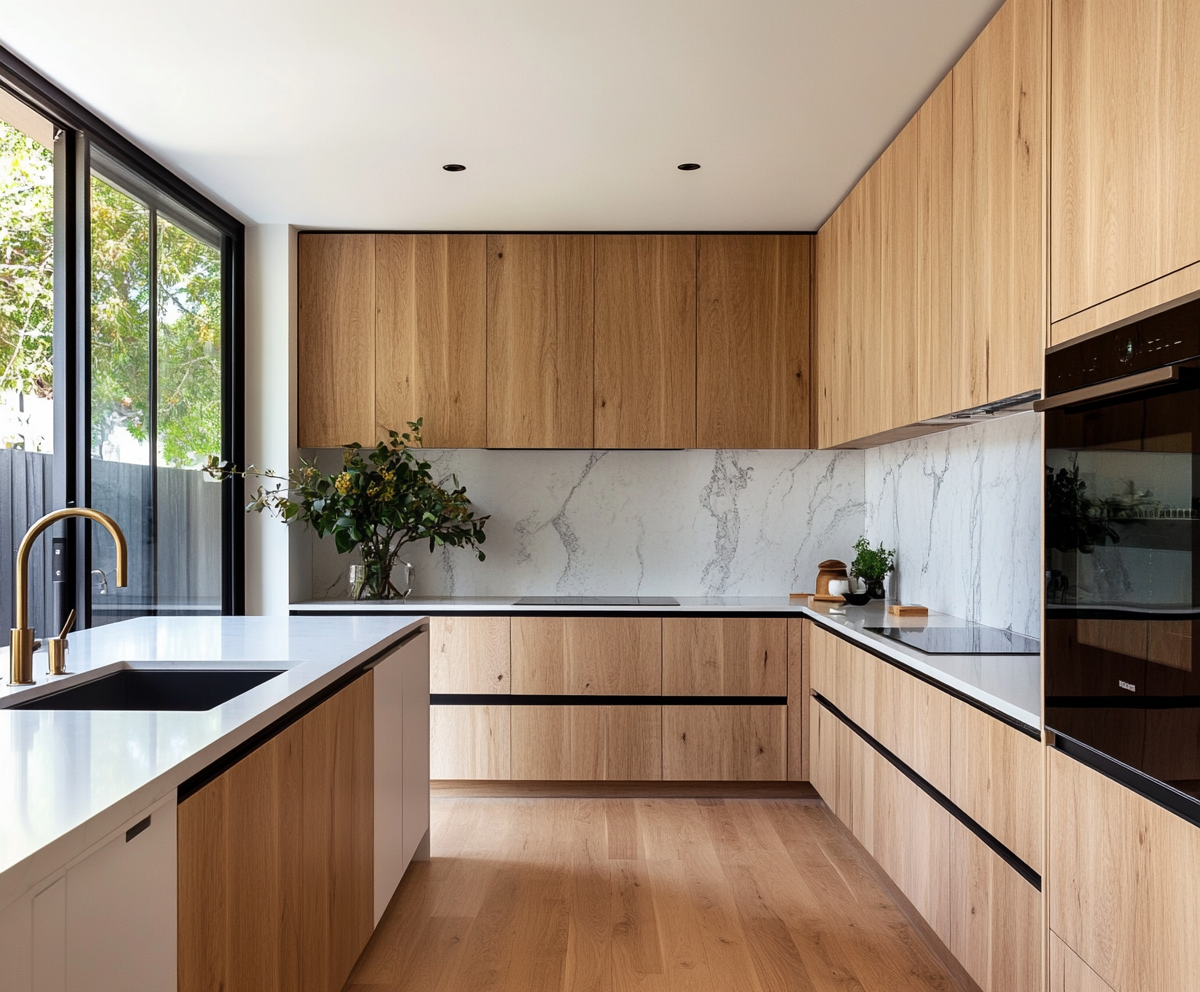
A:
{"x":607,"y":656}
{"x":587,"y":743}
{"x":724,"y":656}
{"x":645,"y":344}
{"x":1069,"y":973}
{"x":469,"y":655}
{"x":335,"y":339}
{"x":897,"y":354}
{"x":864,"y":397}
{"x":470,"y":742}
{"x":539,"y":340}
{"x":799,"y":639}
{"x":831,"y":328}
{"x":913,"y":721}
{"x":431,"y":337}
{"x":724,"y":743}
{"x":752,"y":341}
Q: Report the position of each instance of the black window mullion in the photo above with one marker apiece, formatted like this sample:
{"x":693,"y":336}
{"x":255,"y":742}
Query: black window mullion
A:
{"x":152,"y":402}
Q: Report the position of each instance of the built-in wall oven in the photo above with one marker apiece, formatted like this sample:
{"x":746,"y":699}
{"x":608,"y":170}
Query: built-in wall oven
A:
{"x":1122,"y":507}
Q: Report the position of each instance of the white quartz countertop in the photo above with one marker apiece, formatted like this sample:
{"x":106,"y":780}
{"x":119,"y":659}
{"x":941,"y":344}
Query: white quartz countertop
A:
{"x":1009,"y":684}
{"x":70,"y":777}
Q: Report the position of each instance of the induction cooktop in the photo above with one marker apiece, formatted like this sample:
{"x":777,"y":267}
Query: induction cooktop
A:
{"x":597,"y":601}
{"x":975,"y":639}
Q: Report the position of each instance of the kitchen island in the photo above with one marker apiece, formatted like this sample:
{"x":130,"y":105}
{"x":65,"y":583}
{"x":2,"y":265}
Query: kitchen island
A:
{"x":87,"y":796}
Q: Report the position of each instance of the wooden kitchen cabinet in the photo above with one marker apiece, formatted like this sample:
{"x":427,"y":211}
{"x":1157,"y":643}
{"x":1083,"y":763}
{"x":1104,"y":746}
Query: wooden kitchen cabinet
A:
{"x":1069,"y":973}
{"x":539,"y":340}
{"x":752,"y":341}
{"x":1125,"y":200}
{"x":335,"y":350}
{"x":645,"y":341}
{"x":724,"y":656}
{"x":587,"y":655}
{"x":275,"y":857}
{"x":430,"y":356}
{"x":587,"y":743}
{"x":799,"y":635}
{"x":470,"y":742}
{"x":999,"y":209}
{"x":724,"y":743}
{"x":469,"y":655}
{"x":913,"y":720}
{"x":831,"y":330}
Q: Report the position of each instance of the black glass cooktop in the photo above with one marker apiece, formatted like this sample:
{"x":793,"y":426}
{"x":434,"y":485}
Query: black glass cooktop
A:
{"x":597,"y":601}
{"x":975,"y":639}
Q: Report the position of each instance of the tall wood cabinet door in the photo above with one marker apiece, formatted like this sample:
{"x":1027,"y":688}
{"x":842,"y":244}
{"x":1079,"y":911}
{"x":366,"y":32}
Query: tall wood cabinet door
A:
{"x":752,"y":341}
{"x":995,"y":917}
{"x":799,"y":635}
{"x":939,"y":389}
{"x":469,"y":655}
{"x":1000,"y":110}
{"x":897,"y":354}
{"x":335,"y":339}
{"x":587,"y":655}
{"x":587,"y":743}
{"x":831,"y":344}
{"x":1126,"y":152}
{"x":431,"y":337}
{"x":724,"y":743}
{"x":539,"y":340}
{"x":645,"y":350}
{"x":727,"y":656}
{"x":866,"y":413}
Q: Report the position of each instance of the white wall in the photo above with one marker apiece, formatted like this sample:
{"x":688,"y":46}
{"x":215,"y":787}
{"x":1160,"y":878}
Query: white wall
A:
{"x":270,"y":405}
{"x":963,"y":509}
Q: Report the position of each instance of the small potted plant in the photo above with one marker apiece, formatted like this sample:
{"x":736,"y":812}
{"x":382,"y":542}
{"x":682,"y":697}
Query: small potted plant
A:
{"x":382,"y":499}
{"x":872,"y":565}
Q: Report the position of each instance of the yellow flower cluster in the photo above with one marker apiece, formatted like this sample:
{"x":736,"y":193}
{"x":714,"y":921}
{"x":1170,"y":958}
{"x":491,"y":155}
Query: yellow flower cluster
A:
{"x":342,"y":483}
{"x":387,"y":476}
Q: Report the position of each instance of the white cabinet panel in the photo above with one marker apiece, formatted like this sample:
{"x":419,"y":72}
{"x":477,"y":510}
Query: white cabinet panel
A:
{"x":416,"y":749}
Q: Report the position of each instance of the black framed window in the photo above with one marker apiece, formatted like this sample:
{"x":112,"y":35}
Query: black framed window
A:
{"x":142,"y":336}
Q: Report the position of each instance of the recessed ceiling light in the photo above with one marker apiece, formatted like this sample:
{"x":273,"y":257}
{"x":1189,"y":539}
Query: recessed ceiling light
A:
{"x":455,"y":167}
{"x":689,"y":166}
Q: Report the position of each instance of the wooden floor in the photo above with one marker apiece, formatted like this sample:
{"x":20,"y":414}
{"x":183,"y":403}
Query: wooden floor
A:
{"x":650,"y":894}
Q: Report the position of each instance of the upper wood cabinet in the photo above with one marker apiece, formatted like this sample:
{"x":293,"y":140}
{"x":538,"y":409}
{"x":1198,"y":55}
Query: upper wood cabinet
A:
{"x":539,"y":340}
{"x":752,"y":341}
{"x":431,"y":337}
{"x":645,"y":345}
{"x":336,"y":339}
{"x":1000,"y":111}
{"x":1125,"y":201}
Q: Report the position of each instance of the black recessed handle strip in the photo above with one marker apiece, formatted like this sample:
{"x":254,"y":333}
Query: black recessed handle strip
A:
{"x":543,"y":699}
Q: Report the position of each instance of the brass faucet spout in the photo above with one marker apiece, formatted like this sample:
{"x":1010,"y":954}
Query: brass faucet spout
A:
{"x":20,"y":663}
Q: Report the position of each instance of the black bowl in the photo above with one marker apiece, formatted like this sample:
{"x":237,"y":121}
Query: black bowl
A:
{"x":857,"y":598}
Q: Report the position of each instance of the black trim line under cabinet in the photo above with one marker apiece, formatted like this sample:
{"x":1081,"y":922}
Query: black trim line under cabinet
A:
{"x":535,"y":699}
{"x":1007,"y":856}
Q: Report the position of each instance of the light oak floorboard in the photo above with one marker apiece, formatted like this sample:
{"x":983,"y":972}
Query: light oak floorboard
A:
{"x":673,"y":894}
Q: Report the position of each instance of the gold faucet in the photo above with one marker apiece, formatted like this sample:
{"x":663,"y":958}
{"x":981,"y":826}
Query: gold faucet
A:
{"x":20,"y":651}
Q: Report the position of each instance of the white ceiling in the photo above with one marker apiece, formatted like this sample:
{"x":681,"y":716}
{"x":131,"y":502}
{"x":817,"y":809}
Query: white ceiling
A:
{"x":568,"y":115}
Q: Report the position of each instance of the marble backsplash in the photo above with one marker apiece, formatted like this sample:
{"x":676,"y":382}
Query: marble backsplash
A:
{"x":683,"y":523}
{"x":963,"y":510}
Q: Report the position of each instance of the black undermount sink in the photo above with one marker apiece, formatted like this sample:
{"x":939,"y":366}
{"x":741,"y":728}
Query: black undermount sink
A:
{"x":147,"y":689}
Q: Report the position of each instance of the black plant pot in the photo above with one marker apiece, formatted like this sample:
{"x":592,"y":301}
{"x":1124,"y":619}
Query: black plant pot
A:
{"x":875,"y":588}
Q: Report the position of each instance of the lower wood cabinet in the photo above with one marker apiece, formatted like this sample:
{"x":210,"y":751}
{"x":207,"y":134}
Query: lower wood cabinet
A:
{"x":724,"y":743}
{"x":724,"y":656}
{"x":577,"y":743}
{"x":1122,"y":883}
{"x":587,"y":655}
{"x":469,"y":655}
{"x":470,"y":742}
{"x":275,"y":857}
{"x":1069,"y":973}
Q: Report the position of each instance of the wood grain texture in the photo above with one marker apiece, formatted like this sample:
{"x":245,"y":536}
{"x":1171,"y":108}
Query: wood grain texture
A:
{"x":866,"y":410}
{"x":579,"y":743}
{"x":470,"y":742}
{"x":1126,"y":94}
{"x":730,"y":743}
{"x":799,"y":634}
{"x":899,"y":280}
{"x":831,"y":338}
{"x":592,"y":655}
{"x":469,"y":654}
{"x":654,"y":894}
{"x":1121,"y":891}
{"x":1069,"y":973}
{"x":913,"y":721}
{"x":540,"y":303}
{"x":939,"y":388}
{"x":275,"y":857}
{"x":335,"y":339}
{"x":431,"y":336}
{"x":724,"y":656}
{"x":1180,"y":286}
{"x":995,"y":917}
{"x":645,"y":345}
{"x":752,"y":341}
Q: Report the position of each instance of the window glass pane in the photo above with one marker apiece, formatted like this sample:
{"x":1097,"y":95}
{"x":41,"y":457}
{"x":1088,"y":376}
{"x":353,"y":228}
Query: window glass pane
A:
{"x":26,"y":352}
{"x":189,"y":420}
{"x":121,"y":423}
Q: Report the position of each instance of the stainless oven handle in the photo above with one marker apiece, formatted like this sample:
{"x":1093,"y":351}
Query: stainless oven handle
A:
{"x":1139,"y":380}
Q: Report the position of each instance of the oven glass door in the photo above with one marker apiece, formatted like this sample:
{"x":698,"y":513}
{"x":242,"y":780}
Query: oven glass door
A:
{"x":1122,"y":502}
